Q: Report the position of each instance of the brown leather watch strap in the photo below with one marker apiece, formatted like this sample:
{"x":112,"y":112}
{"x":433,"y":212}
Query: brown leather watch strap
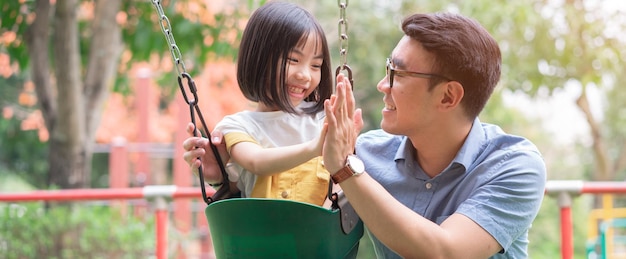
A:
{"x":342,"y":174}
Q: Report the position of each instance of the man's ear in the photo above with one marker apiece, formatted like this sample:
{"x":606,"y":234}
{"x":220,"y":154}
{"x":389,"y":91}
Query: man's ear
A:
{"x":452,"y":94}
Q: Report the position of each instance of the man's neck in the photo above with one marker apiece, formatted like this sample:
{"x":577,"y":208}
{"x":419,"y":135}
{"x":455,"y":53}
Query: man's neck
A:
{"x":436,"y":151}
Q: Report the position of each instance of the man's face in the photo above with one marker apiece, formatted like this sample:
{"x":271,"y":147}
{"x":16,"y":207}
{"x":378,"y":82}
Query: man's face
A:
{"x":409,"y":104}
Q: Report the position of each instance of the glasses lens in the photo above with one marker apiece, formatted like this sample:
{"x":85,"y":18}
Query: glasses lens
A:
{"x":389,"y":73}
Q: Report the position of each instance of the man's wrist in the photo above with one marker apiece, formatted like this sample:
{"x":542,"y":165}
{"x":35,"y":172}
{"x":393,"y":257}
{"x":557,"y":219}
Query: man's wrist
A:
{"x":353,"y":167}
{"x":333,"y":169}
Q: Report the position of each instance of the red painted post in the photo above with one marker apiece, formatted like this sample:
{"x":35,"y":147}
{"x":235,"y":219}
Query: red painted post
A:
{"x":182,"y":173}
{"x":161,"y":228}
{"x":144,"y":96}
{"x":567,"y":234}
{"x":143,"y":93}
{"x":118,"y":169}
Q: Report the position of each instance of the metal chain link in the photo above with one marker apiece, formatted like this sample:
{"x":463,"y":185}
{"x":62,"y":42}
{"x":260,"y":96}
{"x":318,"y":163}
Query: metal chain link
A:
{"x":186,"y":83}
{"x":343,"y":41}
{"x":343,"y":33}
{"x":166,"y":28}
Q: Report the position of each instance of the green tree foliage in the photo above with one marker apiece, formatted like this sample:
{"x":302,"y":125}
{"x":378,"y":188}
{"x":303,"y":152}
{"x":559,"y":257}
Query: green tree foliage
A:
{"x":18,"y":144}
{"x":22,"y":152}
{"x":550,"y":46}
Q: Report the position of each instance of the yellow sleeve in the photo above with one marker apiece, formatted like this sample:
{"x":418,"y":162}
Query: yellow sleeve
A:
{"x":236,"y":137}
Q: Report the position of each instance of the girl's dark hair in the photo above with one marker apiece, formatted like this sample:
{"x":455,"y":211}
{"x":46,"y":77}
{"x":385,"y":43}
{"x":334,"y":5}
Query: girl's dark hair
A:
{"x":463,"y":51}
{"x":272,"y":32}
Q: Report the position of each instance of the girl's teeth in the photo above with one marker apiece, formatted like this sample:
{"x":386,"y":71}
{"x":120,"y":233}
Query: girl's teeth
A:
{"x":296,"y":90}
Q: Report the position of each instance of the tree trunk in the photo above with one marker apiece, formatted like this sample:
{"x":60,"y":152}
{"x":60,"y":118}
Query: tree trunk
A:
{"x":67,"y":138}
{"x":602,"y":170}
{"x":72,"y":108}
{"x":37,"y":40}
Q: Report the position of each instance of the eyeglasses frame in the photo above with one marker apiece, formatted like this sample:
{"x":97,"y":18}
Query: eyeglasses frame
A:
{"x":392,"y":72}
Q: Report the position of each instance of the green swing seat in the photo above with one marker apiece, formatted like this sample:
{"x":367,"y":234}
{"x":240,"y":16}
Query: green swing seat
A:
{"x":268,"y":228}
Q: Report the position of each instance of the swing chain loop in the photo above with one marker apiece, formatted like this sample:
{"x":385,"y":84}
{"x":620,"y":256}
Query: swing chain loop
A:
{"x":191,"y":85}
{"x":194,"y":109}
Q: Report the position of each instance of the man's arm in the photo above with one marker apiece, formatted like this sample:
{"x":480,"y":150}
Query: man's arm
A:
{"x":411,"y":235}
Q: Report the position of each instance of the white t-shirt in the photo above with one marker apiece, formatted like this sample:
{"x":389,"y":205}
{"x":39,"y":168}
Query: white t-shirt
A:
{"x":307,"y":182}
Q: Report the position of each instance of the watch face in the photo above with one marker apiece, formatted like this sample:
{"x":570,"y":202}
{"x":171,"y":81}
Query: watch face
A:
{"x":356,"y":164}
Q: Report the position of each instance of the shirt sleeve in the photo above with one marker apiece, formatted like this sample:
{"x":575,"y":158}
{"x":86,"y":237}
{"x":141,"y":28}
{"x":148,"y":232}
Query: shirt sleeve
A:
{"x":509,"y":201}
{"x":234,"y":130}
{"x":237,"y":137}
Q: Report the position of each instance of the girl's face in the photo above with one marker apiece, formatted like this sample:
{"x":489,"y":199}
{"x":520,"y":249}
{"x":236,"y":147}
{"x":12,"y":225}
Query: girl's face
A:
{"x":304,"y":65}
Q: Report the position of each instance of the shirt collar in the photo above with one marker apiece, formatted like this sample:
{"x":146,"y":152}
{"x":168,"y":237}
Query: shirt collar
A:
{"x":466,"y":155}
{"x":472,"y":146}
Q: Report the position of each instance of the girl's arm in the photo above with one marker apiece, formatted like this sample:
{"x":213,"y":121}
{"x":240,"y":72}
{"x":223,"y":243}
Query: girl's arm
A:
{"x":267,"y":161}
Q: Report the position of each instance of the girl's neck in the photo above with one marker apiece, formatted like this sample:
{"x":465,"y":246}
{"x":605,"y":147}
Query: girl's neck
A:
{"x":261,"y":107}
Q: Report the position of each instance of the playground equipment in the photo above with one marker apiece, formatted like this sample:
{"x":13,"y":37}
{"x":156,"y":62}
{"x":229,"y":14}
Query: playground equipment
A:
{"x":563,"y":191}
{"x":268,"y":228}
{"x":606,"y":236}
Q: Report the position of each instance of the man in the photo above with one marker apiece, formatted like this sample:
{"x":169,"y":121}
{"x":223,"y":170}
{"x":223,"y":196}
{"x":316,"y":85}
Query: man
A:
{"x":436,"y":182}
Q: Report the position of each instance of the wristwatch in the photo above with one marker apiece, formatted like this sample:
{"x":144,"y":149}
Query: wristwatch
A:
{"x":354,"y":166}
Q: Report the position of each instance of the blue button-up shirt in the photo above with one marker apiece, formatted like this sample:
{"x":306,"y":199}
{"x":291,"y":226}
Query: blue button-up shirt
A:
{"x":495,"y":179}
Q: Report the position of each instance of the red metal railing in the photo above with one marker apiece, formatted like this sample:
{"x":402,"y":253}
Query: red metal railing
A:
{"x":562,"y":190}
{"x":155,"y":193}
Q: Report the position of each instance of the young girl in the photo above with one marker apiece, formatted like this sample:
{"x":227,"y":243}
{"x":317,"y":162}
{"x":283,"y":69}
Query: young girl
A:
{"x":284,"y":67}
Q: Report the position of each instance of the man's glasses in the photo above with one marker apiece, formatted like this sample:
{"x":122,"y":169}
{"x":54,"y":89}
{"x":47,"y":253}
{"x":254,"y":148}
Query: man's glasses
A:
{"x":391,"y":72}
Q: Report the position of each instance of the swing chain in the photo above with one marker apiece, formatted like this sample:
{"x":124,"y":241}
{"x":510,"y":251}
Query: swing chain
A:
{"x":343,"y":40}
{"x":185,"y":82}
{"x":343,"y":33}
{"x":166,"y":28}
{"x":343,"y":60}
